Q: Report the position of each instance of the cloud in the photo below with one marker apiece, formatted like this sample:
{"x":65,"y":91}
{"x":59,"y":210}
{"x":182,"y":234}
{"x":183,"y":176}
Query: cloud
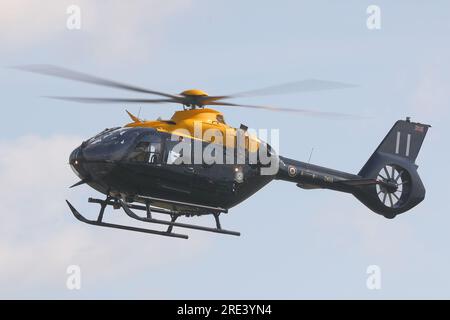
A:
{"x":110,"y":30}
{"x":39,"y":238}
{"x":430,"y":99}
{"x":24,"y":23}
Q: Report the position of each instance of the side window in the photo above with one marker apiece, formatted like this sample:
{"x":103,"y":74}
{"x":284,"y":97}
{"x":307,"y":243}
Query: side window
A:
{"x":178,"y":152}
{"x":147,"y":150}
{"x":140,"y":153}
{"x":172,"y":156}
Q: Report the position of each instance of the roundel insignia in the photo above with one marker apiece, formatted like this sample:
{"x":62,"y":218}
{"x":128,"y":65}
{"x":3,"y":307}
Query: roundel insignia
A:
{"x":239,"y":177}
{"x":292,"y":171}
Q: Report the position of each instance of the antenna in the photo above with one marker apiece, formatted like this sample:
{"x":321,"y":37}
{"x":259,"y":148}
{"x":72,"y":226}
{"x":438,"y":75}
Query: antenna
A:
{"x":310,"y":155}
{"x":139,"y":113}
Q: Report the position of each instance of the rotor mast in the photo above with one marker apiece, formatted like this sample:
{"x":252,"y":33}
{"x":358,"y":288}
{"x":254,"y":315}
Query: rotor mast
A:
{"x":193,"y":99}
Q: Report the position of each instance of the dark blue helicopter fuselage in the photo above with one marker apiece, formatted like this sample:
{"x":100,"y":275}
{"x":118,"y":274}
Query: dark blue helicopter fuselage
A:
{"x":134,"y":162}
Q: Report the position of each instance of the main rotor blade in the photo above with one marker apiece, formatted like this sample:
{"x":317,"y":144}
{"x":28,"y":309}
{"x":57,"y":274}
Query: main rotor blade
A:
{"x":307,"y":85}
{"x":303,"y":111}
{"x":64,"y":73}
{"x":111,"y":100}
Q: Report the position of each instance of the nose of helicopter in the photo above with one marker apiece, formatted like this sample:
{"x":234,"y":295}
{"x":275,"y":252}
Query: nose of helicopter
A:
{"x":95,"y":161}
{"x":76,"y":160}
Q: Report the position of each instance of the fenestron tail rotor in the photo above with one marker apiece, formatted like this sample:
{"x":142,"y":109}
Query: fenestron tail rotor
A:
{"x":394,"y":186}
{"x":193,"y":98}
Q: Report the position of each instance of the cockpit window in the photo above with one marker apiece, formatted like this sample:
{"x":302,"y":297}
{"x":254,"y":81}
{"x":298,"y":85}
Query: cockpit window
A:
{"x":147,"y":150}
{"x":178,"y":151}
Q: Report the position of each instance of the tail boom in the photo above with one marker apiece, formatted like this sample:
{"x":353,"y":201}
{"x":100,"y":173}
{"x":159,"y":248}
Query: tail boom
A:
{"x":388,"y":183}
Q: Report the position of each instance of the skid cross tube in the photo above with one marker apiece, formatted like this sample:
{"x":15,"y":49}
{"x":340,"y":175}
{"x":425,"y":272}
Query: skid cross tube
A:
{"x":149,"y":210}
{"x":99,"y":222}
{"x":102,"y":209}
{"x":172,"y":221}
{"x":126,"y":207}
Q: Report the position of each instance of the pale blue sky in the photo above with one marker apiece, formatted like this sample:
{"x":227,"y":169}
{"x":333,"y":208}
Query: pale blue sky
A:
{"x":294,"y":243}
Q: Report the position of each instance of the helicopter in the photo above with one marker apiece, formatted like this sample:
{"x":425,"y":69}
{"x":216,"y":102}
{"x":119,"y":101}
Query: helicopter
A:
{"x":137,"y":166}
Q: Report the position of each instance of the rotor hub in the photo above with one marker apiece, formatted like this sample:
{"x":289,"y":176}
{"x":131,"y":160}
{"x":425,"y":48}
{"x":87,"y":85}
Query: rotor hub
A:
{"x":194,"y":93}
{"x":193,"y":98}
{"x":390,"y":186}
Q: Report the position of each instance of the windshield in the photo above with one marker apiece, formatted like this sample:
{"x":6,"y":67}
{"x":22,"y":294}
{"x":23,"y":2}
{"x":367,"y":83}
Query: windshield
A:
{"x":109,"y":136}
{"x":111,"y":144}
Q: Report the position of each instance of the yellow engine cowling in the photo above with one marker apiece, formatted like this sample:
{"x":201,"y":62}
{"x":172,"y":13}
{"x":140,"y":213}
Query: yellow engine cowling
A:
{"x":202,"y":124}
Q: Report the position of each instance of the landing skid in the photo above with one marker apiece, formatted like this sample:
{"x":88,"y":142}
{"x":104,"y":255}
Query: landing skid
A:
{"x":118,"y":203}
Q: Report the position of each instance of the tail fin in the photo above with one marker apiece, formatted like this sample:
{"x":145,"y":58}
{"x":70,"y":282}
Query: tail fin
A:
{"x":399,"y":187}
